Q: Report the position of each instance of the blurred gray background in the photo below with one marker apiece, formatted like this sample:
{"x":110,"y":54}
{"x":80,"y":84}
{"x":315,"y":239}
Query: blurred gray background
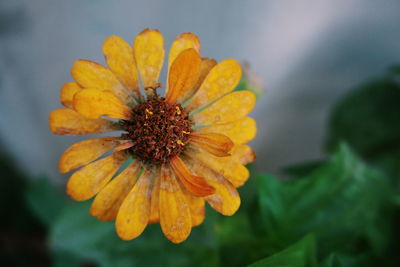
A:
{"x":309,"y":53}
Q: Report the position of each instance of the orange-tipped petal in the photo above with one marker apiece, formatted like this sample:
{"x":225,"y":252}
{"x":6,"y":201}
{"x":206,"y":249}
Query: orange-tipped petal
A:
{"x":175,"y":219}
{"x":67,"y":93}
{"x":120,"y":59}
{"x":134,"y":213}
{"x":194,"y":184}
{"x":107,"y":203}
{"x":240,"y":131}
{"x":149,"y":55}
{"x":221,"y":79}
{"x":205,"y":67}
{"x":93,"y":103}
{"x":88,"y":181}
{"x":155,"y":202}
{"x":229,"y":167}
{"x":89,"y":74}
{"x":217,"y":144}
{"x":226,"y":199}
{"x":181,"y":43}
{"x":67,"y":121}
{"x":84,"y":152}
{"x":230,"y":108}
{"x":183,"y":75}
{"x":244,"y":154}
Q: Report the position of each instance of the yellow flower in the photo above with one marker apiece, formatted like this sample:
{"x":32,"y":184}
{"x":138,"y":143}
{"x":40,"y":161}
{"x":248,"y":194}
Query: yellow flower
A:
{"x":187,"y":148}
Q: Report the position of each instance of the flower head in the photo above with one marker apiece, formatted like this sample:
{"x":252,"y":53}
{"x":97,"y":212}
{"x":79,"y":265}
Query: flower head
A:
{"x":188,"y":147}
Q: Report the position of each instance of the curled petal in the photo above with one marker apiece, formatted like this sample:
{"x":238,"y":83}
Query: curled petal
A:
{"x":183,"y":75}
{"x":67,"y":93}
{"x":229,"y":167}
{"x":107,"y":203}
{"x":221,"y":79}
{"x":88,"y":181}
{"x":67,"y":121}
{"x":226,"y":199}
{"x":230,"y":108}
{"x":149,"y":55}
{"x":194,"y":184}
{"x":120,"y":59}
{"x":181,"y":43}
{"x":90,"y":74}
{"x":217,"y":144}
{"x":175,"y":219}
{"x":240,"y":131}
{"x":84,"y":152}
{"x":93,"y":103}
{"x":133,"y":215}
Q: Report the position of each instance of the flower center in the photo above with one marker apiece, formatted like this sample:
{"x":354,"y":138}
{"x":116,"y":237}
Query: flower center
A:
{"x":158,"y":130}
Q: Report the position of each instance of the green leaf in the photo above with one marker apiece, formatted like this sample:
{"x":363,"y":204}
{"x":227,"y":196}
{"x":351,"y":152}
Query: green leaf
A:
{"x":343,"y":202}
{"x":44,"y":199}
{"x":300,"y":254}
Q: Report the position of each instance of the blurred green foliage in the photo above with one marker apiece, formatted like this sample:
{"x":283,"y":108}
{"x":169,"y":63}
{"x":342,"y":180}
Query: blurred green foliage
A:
{"x":343,"y":211}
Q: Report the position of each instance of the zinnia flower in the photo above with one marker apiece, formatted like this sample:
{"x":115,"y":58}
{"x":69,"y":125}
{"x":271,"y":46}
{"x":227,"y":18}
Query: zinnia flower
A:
{"x":187,"y":148}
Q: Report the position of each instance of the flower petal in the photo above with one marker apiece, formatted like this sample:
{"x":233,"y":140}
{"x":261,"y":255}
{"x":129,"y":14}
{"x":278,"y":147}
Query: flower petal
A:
{"x":197,"y":208}
{"x":226,"y":199}
{"x":183,"y":75}
{"x":194,"y":184}
{"x":244,"y":154}
{"x":84,"y":152}
{"x":221,"y":79}
{"x":93,"y":103}
{"x":107,"y":203}
{"x":229,"y":167}
{"x":230,"y":108}
{"x":181,"y":43}
{"x":217,"y":144}
{"x":67,"y":121}
{"x":89,"y":74}
{"x":120,"y":59}
{"x":149,"y":55}
{"x":67,"y":93}
{"x":155,"y":202}
{"x":88,"y":181}
{"x":133,"y":215}
{"x":175,"y":219}
{"x":240,"y":131}
{"x":206,"y":65}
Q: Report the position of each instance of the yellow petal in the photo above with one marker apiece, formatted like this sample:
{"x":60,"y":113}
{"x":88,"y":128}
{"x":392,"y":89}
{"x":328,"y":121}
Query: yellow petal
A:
{"x":120,"y":59}
{"x":230,"y":108}
{"x":181,"y":43}
{"x":183,"y":75}
{"x":221,"y":79}
{"x":243,"y":153}
{"x":88,"y":181}
{"x":84,"y":152}
{"x":67,"y":93}
{"x":240,"y":131}
{"x":217,"y":144}
{"x":194,"y":184}
{"x":197,"y":208}
{"x":134,"y":213}
{"x":175,"y":219}
{"x":149,"y":54}
{"x":107,"y":203}
{"x":89,"y":74}
{"x":206,"y":65}
{"x":93,"y":103}
{"x":226,"y":199}
{"x":67,"y":121}
{"x":229,"y":167}
{"x":155,"y":202}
